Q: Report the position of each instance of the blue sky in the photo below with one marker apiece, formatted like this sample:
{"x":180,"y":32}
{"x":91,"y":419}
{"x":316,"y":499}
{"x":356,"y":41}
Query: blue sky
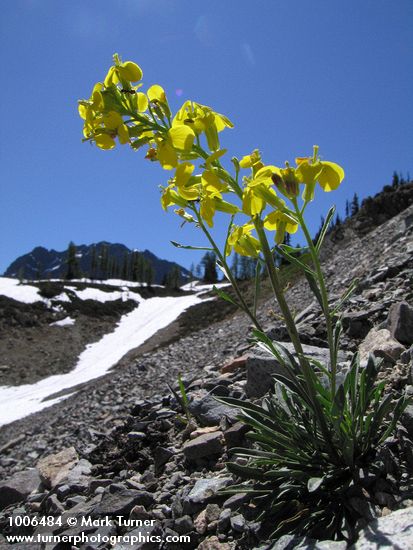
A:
{"x":288,"y":73}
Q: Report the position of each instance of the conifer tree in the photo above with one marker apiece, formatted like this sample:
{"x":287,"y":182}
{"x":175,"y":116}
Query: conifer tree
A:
{"x":347,"y":209}
{"x":93,"y":263}
{"x":125,"y":267}
{"x":173,"y":278}
{"x":72,"y":264}
{"x":395,"y":180}
{"x":355,"y":207}
{"x":104,"y":261}
{"x":210,"y":269}
{"x":149,"y":273}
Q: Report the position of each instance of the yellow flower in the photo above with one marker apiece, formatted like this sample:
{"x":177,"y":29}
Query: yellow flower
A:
{"x":211,"y":203}
{"x":187,"y":186}
{"x":281,"y":223}
{"x":258,"y":192}
{"x":310,"y":170}
{"x":243,"y":242}
{"x":123,"y":72}
{"x":251,"y":160}
{"x":170,"y":196}
{"x":202,"y":119}
{"x":178,"y":139}
{"x":287,"y":181}
{"x":114,"y":123}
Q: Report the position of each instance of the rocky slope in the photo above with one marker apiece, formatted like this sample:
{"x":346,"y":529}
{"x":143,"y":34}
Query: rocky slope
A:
{"x":133,"y":455}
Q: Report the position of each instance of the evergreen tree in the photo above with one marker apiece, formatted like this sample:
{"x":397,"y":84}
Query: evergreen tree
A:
{"x":93,"y":263}
{"x":210,"y":269}
{"x":173,"y":278}
{"x":149,"y":273}
{"x":395,"y":180}
{"x":72,"y":264}
{"x":402,"y":180}
{"x":125,"y":267}
{"x":355,"y":207}
{"x":347,"y":209}
{"x":104,"y":261}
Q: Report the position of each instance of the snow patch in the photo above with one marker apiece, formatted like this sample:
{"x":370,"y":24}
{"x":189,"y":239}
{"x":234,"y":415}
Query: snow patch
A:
{"x":63,"y":322}
{"x":133,"y":329}
{"x":23,"y":293}
{"x":102,"y":296}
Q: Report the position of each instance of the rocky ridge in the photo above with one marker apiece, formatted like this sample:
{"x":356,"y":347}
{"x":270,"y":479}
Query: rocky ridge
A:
{"x":122,"y":448}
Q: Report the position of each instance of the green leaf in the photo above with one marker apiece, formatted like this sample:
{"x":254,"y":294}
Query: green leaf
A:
{"x":314,"y":483}
{"x":222,"y":294}
{"x":187,"y":247}
{"x":324,"y":229}
{"x":351,"y":289}
{"x":183,"y":391}
{"x":282,"y":251}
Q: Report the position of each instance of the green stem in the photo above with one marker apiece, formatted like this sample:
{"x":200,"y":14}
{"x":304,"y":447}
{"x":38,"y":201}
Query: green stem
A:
{"x":293,"y":333}
{"x":324,"y":295}
{"x":228,"y":272}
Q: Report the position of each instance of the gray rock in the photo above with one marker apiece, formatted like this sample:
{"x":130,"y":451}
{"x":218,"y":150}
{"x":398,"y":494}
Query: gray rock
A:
{"x":206,"y":489}
{"x":238,"y":523}
{"x":203,"y":445}
{"x":357,"y":323}
{"x":19,"y":487}
{"x":209,"y":411}
{"x":183,"y":525}
{"x":400,"y":322}
{"x":234,"y":436}
{"x":407,"y":419}
{"x":213,"y":543}
{"x":53,"y":469}
{"x":122,"y":502}
{"x":291,"y":542}
{"x":53,"y":506}
{"x":261,"y":366}
{"x":381,"y":344}
{"x":392,"y":531}
{"x":224,"y":520}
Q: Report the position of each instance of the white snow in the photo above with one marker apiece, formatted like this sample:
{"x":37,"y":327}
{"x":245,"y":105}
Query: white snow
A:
{"x":63,"y":322}
{"x":30,"y":294}
{"x":133,"y":329}
{"x":23,"y":293}
{"x":102,"y":296}
{"x":195,"y":286}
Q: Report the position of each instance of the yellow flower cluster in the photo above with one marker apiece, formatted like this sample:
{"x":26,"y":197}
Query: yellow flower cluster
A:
{"x":190,"y":138}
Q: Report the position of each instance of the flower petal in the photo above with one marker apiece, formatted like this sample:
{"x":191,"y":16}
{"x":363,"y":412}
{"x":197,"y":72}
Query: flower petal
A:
{"x":331,"y":176}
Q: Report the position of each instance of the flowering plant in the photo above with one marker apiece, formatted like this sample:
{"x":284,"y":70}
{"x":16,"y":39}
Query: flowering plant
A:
{"x":315,"y":434}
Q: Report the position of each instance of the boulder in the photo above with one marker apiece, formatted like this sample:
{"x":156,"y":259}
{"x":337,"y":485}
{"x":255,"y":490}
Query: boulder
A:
{"x":392,"y":531}
{"x":261,"y":366}
{"x":54,"y":469}
{"x":400,"y":322}
{"x":208,"y":410}
{"x":204,"y":445}
{"x":380,"y":343}
{"x":19,"y":487}
{"x":206,"y":489}
{"x":121,"y":502}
